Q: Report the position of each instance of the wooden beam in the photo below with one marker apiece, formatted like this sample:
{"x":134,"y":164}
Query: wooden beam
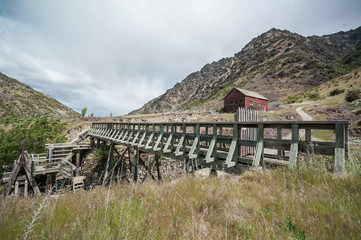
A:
{"x":109,"y":160}
{"x":158,"y":166}
{"x":258,"y":157}
{"x":340,"y":148}
{"x":294,"y":146}
{"x":135,"y":166}
{"x":279,"y":137}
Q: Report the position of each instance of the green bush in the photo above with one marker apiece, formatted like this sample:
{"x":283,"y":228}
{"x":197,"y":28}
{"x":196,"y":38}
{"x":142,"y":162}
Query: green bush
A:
{"x":294,"y":99}
{"x":314,"y":96}
{"x":336,"y":91}
{"x":352,"y":95}
{"x":37,"y":132}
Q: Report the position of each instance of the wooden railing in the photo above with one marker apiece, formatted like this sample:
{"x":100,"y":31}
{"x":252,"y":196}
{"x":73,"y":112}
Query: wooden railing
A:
{"x":220,"y":143}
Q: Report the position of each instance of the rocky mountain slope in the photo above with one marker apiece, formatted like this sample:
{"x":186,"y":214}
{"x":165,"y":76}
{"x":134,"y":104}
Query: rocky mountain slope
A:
{"x":17,"y":98}
{"x":276,"y":64}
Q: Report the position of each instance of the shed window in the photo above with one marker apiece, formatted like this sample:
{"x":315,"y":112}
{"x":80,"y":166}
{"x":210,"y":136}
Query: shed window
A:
{"x":250,"y":102}
{"x":259,"y":104}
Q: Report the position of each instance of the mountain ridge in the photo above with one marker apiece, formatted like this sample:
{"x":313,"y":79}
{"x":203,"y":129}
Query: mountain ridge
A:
{"x":275,"y":64}
{"x":17,"y":98}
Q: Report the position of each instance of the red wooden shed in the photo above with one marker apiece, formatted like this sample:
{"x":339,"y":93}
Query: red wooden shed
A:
{"x":241,"y":98}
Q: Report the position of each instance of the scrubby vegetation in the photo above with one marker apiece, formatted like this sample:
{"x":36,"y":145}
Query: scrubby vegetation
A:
{"x":37,"y":131}
{"x":308,"y":203}
{"x":353,"y":95}
{"x":336,"y":91}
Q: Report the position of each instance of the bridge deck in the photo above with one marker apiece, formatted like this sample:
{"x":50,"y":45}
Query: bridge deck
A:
{"x":220,"y":143}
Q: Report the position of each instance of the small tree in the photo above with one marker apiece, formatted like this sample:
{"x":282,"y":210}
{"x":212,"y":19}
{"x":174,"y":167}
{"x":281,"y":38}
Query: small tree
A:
{"x":353,"y":95}
{"x":83,"y":111}
{"x":92,"y":115}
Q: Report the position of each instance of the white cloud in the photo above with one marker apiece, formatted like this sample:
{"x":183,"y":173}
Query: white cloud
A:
{"x":114,"y":56}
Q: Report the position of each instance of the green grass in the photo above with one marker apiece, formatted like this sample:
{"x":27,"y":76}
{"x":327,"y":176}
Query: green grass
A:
{"x":307,"y":203}
{"x":325,"y":135}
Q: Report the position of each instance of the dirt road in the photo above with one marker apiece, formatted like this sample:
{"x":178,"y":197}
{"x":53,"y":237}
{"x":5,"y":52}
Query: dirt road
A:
{"x":305,"y":116}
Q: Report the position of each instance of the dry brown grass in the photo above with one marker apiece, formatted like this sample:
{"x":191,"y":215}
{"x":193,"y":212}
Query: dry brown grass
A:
{"x":310,"y":202}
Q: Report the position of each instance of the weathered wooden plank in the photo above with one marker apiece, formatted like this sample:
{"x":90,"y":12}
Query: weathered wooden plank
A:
{"x":340,"y":148}
{"x":232,"y":155}
{"x":109,"y":160}
{"x":135,"y":166}
{"x":193,"y":153}
{"x":279,"y":137}
{"x":258,"y":157}
{"x":294,"y":146}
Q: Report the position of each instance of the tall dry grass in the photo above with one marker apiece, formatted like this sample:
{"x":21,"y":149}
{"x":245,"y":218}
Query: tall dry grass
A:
{"x":310,"y":202}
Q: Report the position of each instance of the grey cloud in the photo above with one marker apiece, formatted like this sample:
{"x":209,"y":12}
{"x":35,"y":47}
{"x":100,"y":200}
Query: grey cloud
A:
{"x":113,"y":56}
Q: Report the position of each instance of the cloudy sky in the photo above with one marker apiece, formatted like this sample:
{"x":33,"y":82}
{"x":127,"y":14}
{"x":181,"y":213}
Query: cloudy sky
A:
{"x":113,"y":56}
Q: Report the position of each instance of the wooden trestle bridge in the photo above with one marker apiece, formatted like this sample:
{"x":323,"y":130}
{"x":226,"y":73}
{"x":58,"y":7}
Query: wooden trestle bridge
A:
{"x":221,"y":145}
{"x":224,"y":146}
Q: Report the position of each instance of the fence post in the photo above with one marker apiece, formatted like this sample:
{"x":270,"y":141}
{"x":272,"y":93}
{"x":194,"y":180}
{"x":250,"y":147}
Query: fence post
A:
{"x":340,"y":147}
{"x":294,"y":146}
{"x":258,"y":157}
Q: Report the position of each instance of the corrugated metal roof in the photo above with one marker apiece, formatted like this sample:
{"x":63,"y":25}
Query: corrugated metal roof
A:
{"x":251,"y":94}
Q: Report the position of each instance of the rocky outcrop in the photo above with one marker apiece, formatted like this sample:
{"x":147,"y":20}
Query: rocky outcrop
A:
{"x":275,"y":64}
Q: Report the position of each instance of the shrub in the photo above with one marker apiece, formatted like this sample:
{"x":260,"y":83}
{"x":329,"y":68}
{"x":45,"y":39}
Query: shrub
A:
{"x":352,"y":95}
{"x":37,"y":131}
{"x":336,"y":91}
{"x":293,"y":99}
{"x":314,"y":96}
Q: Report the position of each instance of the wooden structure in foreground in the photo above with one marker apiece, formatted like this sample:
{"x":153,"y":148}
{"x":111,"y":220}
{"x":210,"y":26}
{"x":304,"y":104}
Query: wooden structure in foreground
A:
{"x":217,"y":144}
{"x":36,"y":173}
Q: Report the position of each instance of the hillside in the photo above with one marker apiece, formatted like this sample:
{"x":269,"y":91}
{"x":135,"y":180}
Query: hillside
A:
{"x":17,"y":98}
{"x":276,"y":64}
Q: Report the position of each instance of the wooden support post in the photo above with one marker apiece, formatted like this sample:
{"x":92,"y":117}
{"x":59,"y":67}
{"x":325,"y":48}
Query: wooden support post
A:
{"x":232,"y":156}
{"x":279,"y":137}
{"x":346,"y":141}
{"x":159,"y":144}
{"x":135,"y":165}
{"x":169,"y":144}
{"x":258,"y":156}
{"x":26,"y":188}
{"x":340,"y":147}
{"x":308,"y":138}
{"x":308,"y":135}
{"x":77,"y":163}
{"x":294,"y":146}
{"x":16,"y":192}
{"x":148,"y":170}
{"x":92,"y":143}
{"x":109,"y":161}
{"x":49,"y":182}
{"x":158,"y":166}
{"x":51,"y":154}
{"x":212,"y":150}
{"x":193,"y":153}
